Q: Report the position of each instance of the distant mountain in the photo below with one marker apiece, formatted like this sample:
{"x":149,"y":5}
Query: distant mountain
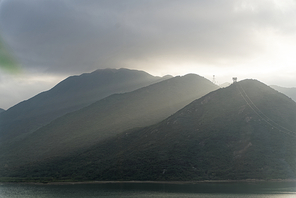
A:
{"x":69,"y":95}
{"x":244,"y":131}
{"x":1,"y":110}
{"x":108,"y":117}
{"x":290,"y":92}
{"x":226,"y":84}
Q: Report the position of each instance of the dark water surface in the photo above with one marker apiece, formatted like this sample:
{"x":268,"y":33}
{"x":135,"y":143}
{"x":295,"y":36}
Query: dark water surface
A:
{"x":145,"y":190}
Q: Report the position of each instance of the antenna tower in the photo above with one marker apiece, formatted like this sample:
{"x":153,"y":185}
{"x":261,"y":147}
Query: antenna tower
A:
{"x":214,"y":79}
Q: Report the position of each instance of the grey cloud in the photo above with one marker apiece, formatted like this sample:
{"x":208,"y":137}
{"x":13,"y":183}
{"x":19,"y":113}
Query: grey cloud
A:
{"x":77,"y":36}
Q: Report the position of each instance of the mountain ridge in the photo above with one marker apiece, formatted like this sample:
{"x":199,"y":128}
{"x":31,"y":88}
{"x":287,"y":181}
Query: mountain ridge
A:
{"x":69,"y":95}
{"x":109,"y":116}
{"x":219,"y":136}
{"x":290,"y":92}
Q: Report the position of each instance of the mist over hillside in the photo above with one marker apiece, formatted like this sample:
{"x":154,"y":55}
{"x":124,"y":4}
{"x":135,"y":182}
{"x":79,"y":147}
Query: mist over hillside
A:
{"x":244,"y":131}
{"x":106,"y":118}
{"x":69,"y":95}
{"x":136,"y":124}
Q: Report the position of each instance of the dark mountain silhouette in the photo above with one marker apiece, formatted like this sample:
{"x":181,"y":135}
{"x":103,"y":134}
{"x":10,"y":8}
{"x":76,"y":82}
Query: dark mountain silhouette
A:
{"x":69,"y":95}
{"x":290,"y":92}
{"x":244,"y":131}
{"x":106,"y":118}
{"x":1,"y":110}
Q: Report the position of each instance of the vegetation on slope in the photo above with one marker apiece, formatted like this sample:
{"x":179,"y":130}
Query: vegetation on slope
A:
{"x":105,"y":118}
{"x":244,"y":131}
{"x":69,"y":95}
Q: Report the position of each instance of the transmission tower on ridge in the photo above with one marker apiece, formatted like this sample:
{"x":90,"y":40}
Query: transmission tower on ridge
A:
{"x":214,"y":79}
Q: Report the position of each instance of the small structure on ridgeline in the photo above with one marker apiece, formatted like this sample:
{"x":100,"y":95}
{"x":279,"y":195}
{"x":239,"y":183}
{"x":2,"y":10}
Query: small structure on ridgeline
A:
{"x":214,"y":80}
{"x":234,"y":79}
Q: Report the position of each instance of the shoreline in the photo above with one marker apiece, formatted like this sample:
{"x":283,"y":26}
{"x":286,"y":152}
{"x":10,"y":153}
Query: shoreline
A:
{"x":152,"y":182}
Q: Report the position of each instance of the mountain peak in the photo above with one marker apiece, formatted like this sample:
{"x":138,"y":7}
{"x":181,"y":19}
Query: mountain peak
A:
{"x":71,"y":94}
{"x":110,"y":116}
{"x":244,"y":131}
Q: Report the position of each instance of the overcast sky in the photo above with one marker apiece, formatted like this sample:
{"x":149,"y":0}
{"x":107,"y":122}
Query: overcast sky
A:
{"x":52,"y":39}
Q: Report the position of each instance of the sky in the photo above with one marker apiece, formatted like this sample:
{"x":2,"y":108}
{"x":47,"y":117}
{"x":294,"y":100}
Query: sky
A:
{"x":50,"y":40}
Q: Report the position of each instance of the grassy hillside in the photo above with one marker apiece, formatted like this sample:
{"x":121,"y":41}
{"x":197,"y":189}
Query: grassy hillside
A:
{"x":105,"y":118}
{"x":69,"y":95}
{"x":244,"y":131}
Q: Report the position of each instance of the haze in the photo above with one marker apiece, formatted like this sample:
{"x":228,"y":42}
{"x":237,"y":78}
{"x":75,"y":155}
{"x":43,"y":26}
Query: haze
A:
{"x":51,"y":40}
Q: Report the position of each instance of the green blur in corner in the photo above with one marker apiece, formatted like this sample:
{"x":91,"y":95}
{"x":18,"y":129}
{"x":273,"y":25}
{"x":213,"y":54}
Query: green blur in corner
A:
{"x":7,"y":61}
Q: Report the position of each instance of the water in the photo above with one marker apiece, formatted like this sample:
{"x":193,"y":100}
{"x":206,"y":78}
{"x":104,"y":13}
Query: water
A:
{"x":146,"y":190}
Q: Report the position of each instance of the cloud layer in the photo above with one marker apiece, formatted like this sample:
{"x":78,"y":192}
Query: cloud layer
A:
{"x":229,"y":36}
{"x":61,"y":36}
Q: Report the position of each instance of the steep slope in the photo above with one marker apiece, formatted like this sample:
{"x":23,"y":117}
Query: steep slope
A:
{"x":108,"y":117}
{"x":290,"y":92}
{"x":244,"y":131}
{"x":71,"y":94}
{"x":1,"y":110}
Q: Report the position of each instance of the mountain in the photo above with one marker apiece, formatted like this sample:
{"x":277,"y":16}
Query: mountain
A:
{"x":1,"y":110}
{"x":106,"y":118}
{"x":244,"y":131}
{"x":226,"y":84}
{"x":290,"y":92}
{"x":69,"y":95}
